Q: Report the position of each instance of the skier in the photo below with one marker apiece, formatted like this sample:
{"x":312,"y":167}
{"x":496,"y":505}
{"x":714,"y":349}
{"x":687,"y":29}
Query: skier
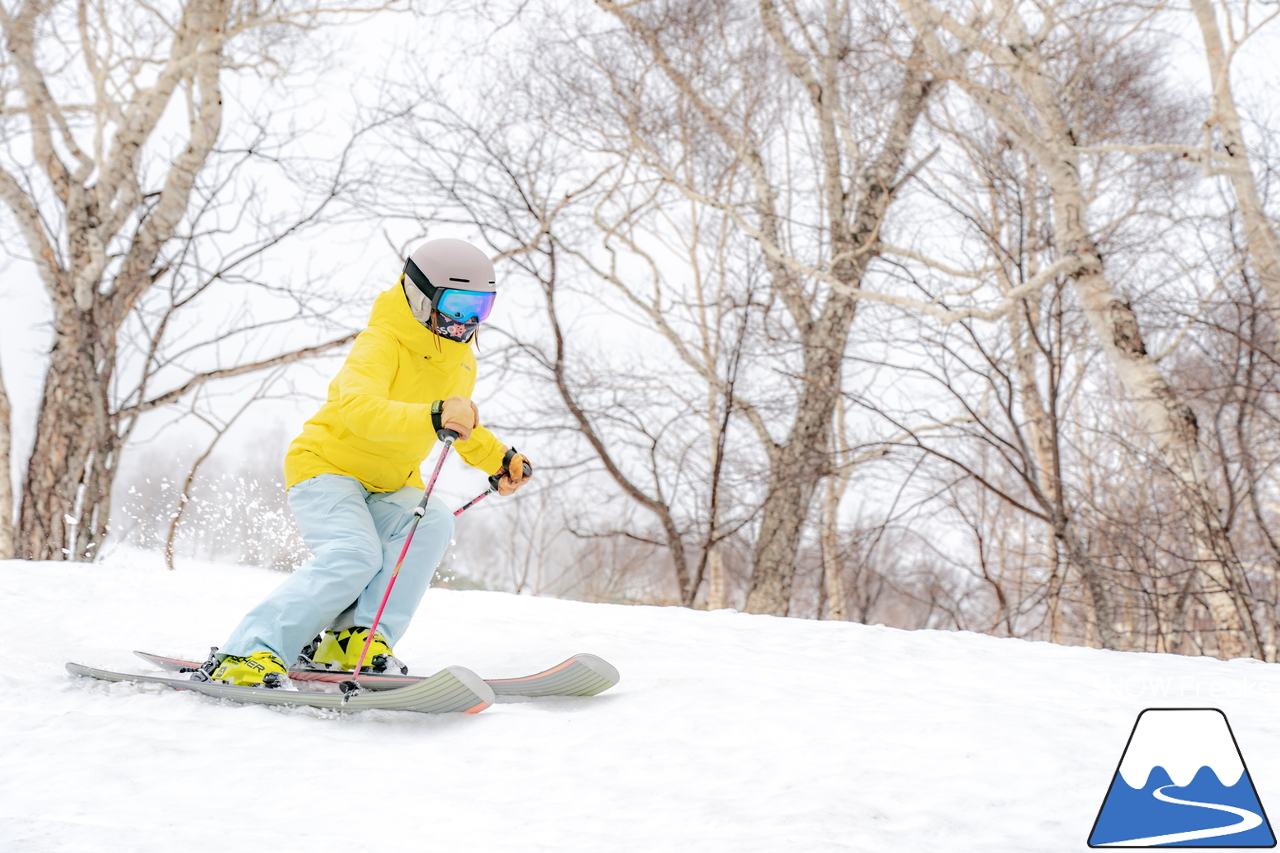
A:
{"x":352,"y":475}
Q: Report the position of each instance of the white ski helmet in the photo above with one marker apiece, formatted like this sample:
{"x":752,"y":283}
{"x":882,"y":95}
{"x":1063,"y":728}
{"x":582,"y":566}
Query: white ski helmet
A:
{"x":452,"y":288}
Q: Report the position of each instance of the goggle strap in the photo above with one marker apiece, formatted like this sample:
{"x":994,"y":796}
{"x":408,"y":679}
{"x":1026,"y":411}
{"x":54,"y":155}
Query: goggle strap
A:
{"x":419,"y":278}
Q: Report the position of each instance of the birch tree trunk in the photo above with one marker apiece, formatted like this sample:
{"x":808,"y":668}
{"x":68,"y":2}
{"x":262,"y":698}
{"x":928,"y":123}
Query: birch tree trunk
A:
{"x":1034,"y":119}
{"x":797,"y":465}
{"x":7,"y":551}
{"x":64,"y":502}
{"x":1261,"y":238}
{"x":1168,"y":422}
{"x":833,"y":585}
{"x":836,"y":483}
{"x":1042,"y":430}
{"x":1172,"y":427}
{"x":717,"y":587}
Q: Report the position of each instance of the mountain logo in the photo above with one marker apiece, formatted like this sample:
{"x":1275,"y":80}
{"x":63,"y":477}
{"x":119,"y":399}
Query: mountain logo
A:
{"x":1181,"y":783}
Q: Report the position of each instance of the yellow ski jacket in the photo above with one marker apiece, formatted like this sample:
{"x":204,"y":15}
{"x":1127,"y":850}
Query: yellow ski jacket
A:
{"x":375,"y":425}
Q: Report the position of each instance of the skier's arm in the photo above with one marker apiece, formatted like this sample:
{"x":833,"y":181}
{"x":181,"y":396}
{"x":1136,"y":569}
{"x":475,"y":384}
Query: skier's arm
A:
{"x":364,"y":385}
{"x":482,"y":450}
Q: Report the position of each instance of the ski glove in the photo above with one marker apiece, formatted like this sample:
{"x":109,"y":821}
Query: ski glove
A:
{"x":456,"y":413}
{"x":514,"y":473}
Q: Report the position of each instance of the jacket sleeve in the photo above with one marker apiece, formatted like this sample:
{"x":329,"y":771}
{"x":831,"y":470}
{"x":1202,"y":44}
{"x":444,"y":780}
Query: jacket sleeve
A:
{"x":482,"y":450}
{"x":364,"y":387}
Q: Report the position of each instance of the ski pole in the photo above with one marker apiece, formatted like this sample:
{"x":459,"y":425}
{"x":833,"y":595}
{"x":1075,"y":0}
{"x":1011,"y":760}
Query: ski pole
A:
{"x":447,"y":436}
{"x":469,"y":504}
{"x":493,"y":487}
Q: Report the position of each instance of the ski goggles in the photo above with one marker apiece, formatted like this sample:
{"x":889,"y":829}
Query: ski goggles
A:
{"x":464,"y":304}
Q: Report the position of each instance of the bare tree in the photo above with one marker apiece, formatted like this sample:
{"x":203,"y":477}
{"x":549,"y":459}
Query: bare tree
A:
{"x":1229,"y":370}
{"x":1013,"y":381}
{"x":1000,"y":60}
{"x":6,"y":484}
{"x":99,"y":205}
{"x":1260,"y":235}
{"x":724,"y":74}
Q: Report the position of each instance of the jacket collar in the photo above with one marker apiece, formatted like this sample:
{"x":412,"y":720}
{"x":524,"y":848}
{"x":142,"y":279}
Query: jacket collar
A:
{"x":391,"y":313}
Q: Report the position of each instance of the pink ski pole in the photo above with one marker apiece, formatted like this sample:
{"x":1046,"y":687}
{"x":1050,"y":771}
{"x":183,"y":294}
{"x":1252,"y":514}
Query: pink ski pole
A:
{"x":448,"y":436}
{"x":493,"y":487}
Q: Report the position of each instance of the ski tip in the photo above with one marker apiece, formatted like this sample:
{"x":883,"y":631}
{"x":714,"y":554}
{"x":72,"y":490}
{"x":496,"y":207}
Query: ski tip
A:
{"x":475,"y":684}
{"x":599,"y":666}
{"x":79,"y":669}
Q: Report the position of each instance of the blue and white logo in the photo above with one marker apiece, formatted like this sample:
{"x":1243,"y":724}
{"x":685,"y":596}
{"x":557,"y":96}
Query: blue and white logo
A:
{"x":1182,"y":783}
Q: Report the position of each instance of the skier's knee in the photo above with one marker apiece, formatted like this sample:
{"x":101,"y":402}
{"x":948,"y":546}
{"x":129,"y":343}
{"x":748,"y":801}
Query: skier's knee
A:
{"x":438,"y":516}
{"x":352,"y":554}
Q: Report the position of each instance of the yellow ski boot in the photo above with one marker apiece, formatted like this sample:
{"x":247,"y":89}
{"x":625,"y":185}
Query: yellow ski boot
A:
{"x":260,"y":669}
{"x":342,"y":651}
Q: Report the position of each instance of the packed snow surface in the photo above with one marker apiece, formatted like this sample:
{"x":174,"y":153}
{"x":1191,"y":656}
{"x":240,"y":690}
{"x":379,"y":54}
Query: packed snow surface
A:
{"x":729,"y":732}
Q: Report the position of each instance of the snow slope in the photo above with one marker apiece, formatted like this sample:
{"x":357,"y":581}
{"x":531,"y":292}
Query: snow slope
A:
{"x":729,"y":732}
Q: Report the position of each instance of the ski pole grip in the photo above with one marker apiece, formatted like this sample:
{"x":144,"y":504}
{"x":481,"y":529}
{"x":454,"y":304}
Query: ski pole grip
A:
{"x":448,"y":436}
{"x":494,"y":478}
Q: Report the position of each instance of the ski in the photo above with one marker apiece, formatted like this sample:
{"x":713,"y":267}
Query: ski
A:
{"x":453,"y":689}
{"x":580,"y":675}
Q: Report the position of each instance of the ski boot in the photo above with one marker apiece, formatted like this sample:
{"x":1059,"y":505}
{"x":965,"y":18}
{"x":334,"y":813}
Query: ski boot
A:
{"x":341,"y":650}
{"x":260,"y":669}
{"x":307,"y":657}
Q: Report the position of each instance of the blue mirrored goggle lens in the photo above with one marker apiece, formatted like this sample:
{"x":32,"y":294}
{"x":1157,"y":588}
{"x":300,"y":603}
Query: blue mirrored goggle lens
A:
{"x":465,"y":304}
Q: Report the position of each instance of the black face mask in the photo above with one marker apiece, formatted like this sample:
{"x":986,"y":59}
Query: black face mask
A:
{"x":455,"y":330}
{"x":443,"y":325}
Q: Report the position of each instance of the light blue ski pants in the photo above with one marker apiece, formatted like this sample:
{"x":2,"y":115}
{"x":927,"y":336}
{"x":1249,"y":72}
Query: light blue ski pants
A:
{"x":355,"y":536}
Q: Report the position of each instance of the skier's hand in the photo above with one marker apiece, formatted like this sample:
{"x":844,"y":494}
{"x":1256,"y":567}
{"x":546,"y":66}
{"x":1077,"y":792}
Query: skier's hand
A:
{"x":514,"y":473}
{"x":458,"y":414}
